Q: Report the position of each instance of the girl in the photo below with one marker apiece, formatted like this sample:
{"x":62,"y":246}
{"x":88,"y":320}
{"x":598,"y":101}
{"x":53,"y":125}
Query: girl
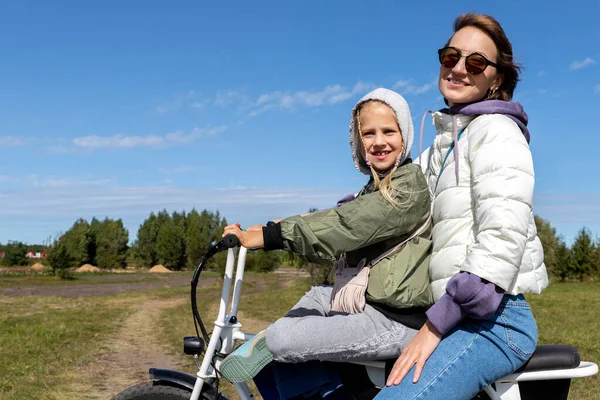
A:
{"x":486,"y":253}
{"x":393,"y":205}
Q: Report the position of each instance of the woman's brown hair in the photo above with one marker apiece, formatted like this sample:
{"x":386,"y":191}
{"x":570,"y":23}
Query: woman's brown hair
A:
{"x":506,"y":64}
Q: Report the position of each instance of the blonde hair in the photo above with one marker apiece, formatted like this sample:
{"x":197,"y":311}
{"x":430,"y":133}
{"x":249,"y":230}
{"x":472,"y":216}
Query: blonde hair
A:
{"x":385,"y":187}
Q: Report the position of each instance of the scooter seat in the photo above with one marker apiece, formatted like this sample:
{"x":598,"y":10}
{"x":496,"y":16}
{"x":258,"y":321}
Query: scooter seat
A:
{"x":546,"y":357}
{"x":551,"y":357}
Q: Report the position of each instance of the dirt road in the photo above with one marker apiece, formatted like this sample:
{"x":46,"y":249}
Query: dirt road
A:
{"x":125,"y":357}
{"x":86,"y":290}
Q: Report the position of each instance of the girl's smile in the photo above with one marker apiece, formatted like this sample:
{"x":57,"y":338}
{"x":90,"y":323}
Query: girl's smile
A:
{"x":380,"y":135}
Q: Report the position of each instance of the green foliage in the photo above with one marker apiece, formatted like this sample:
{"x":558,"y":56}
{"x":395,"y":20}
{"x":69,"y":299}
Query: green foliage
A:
{"x":267,"y":261}
{"x":218,"y":226}
{"x":170,"y":245}
{"x":145,"y":245}
{"x":59,"y":258}
{"x":262,"y":261}
{"x":218,"y":261}
{"x":199,"y":235}
{"x":584,"y":255}
{"x":579,"y":262}
{"x":565,"y":264}
{"x":79,"y":241}
{"x":550,"y":242}
{"x":65,"y":274}
{"x":102,"y":243}
{"x":15,"y":253}
{"x":178,"y":240}
{"x":111,"y":239}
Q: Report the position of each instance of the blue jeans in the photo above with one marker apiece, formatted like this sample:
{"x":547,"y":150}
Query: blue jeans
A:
{"x":472,"y":355}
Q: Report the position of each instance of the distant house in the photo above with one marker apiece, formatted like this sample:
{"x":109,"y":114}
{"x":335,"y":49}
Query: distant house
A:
{"x":37,"y":254}
{"x":1,"y":255}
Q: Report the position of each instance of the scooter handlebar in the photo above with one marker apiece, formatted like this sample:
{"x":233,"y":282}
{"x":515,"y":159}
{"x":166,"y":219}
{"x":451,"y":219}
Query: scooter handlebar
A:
{"x":230,"y":241}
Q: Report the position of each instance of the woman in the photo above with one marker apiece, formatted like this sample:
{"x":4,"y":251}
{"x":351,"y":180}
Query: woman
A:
{"x":486,"y":253}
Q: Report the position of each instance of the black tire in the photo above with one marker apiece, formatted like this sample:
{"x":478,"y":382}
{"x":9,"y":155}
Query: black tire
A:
{"x":161,"y":390}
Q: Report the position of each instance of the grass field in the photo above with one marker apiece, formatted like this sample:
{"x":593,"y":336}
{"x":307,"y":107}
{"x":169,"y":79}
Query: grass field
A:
{"x":570,"y":314}
{"x":59,"y":348}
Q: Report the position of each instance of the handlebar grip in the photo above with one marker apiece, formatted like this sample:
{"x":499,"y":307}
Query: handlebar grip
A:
{"x":231,"y":241}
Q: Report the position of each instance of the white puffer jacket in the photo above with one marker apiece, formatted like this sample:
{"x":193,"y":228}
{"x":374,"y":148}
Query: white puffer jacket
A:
{"x":484,"y":225}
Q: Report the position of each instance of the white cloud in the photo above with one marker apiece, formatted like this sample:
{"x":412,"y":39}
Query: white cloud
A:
{"x":95,"y":142}
{"x":226,"y":97}
{"x":14,"y":141}
{"x":177,"y":101}
{"x":329,"y":95}
{"x":8,"y":179}
{"x":407,"y":86}
{"x":401,"y":84}
{"x":581,"y":64}
{"x":162,"y":109}
{"x":31,"y":215}
{"x":52,"y":182}
{"x":199,"y":105}
{"x":176,"y":170}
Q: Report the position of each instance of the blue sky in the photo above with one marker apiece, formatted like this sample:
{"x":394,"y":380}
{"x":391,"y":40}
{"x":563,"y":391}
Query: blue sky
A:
{"x":117,"y":108}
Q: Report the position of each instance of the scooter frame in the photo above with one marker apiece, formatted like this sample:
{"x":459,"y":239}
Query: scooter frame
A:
{"x":227,"y":329}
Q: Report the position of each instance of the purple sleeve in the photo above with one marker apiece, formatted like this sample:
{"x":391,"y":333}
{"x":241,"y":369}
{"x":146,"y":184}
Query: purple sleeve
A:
{"x":345,"y":199}
{"x":466,"y":295}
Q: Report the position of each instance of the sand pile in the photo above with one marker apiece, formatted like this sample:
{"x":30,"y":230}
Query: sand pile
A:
{"x":159,"y":269}
{"x":87,"y":268}
{"x":37,"y":267}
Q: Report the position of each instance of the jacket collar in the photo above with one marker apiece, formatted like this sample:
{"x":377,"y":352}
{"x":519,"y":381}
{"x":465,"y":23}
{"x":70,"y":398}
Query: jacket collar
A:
{"x":443,"y":121}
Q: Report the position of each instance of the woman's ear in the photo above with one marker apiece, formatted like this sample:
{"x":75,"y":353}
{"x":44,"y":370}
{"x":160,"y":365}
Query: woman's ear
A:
{"x":497,"y":83}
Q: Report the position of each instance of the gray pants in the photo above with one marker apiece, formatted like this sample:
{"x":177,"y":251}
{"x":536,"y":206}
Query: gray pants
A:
{"x":310,"y":331}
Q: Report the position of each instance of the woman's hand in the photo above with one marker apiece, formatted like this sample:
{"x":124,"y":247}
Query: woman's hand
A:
{"x":249,"y":239}
{"x":417,"y":352}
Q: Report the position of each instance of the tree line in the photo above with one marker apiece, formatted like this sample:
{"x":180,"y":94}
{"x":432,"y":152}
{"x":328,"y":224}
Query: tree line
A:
{"x":580,"y":261}
{"x":175,"y":240}
{"x":178,"y":240}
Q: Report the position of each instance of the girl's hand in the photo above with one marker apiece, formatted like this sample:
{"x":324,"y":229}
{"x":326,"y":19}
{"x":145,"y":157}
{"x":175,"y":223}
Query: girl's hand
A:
{"x":417,"y":352}
{"x":250,"y":240}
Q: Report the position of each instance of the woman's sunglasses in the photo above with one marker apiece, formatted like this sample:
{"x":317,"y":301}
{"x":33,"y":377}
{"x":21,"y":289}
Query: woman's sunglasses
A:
{"x":475,"y":63}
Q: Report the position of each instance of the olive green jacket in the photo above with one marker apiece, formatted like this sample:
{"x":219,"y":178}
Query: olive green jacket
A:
{"x":368,"y":226}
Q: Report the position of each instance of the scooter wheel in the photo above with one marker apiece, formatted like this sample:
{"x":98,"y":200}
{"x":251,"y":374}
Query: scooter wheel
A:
{"x":158,"y":390}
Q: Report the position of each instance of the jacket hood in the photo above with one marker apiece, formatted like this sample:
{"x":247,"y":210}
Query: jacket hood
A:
{"x":402,"y":111}
{"x":511,"y":109}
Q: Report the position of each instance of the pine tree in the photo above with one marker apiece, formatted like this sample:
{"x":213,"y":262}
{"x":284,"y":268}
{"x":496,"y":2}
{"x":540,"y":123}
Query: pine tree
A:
{"x":59,"y":258}
{"x":584,"y":254}
{"x":79,"y":242}
{"x":549,"y":239}
{"x":146,"y":241}
{"x":111,"y":244}
{"x":170,"y":248}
